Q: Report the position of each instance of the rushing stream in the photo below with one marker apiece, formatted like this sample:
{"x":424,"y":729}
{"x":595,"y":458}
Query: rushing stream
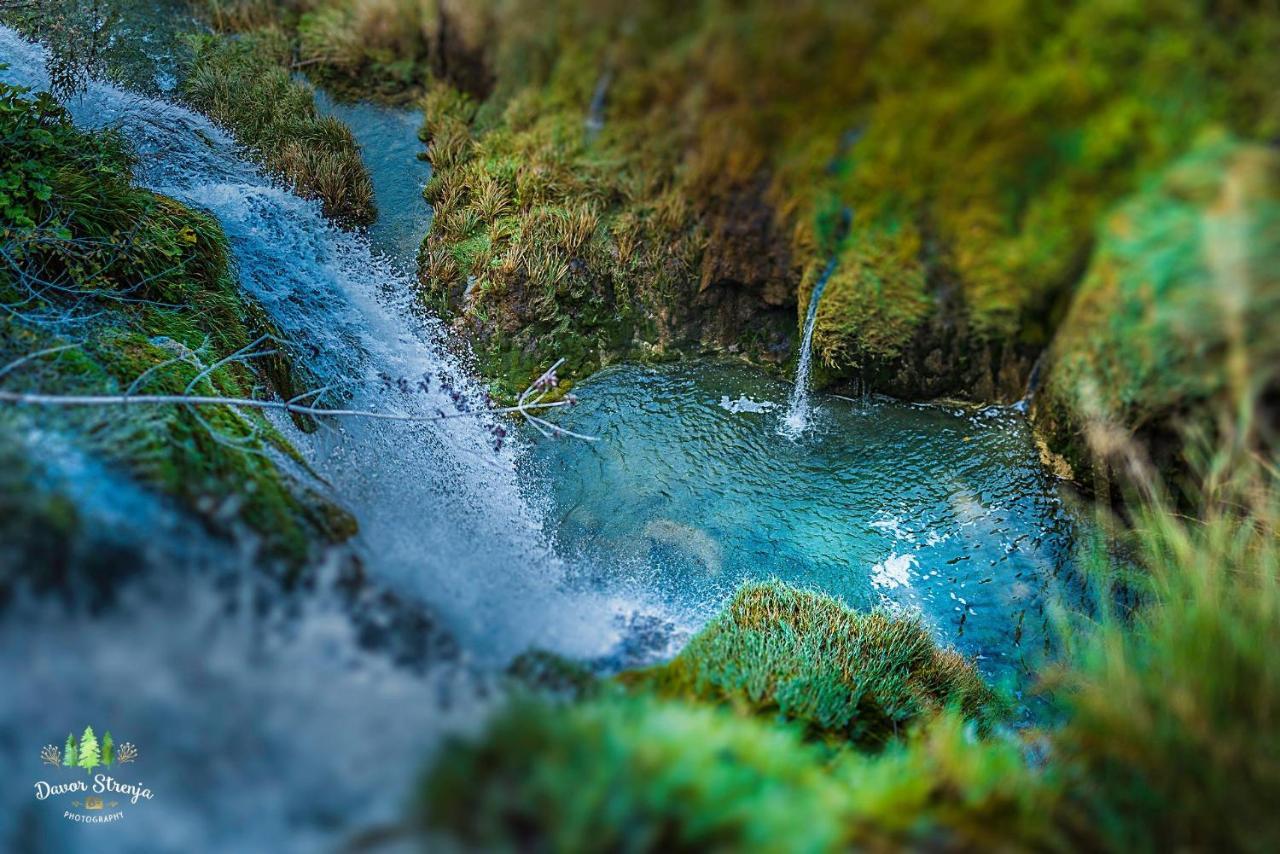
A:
{"x":270,"y":731}
{"x":270,"y":737}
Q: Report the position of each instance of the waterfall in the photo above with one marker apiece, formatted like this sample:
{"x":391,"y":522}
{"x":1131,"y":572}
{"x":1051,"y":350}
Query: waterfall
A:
{"x":443,"y":517}
{"x":796,"y":420}
{"x":288,"y":732}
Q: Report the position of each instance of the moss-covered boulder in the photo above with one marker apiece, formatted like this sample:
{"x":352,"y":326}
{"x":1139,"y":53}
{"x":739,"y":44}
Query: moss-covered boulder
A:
{"x":841,"y":675}
{"x":1180,"y":308}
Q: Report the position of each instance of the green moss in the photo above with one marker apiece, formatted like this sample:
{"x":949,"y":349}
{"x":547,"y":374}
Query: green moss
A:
{"x":841,"y":675}
{"x":631,"y":775}
{"x":874,"y":300}
{"x":1004,"y":133}
{"x":1178,"y":308}
{"x":143,"y":288}
{"x":244,"y":84}
{"x":640,"y":774}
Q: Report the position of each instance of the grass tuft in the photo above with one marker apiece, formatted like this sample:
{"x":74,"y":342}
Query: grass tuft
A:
{"x":842,"y":676}
{"x":243,"y":85}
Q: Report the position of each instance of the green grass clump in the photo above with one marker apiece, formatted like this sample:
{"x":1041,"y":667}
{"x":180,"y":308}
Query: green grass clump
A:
{"x":244,"y":84}
{"x":1179,"y":307}
{"x":142,"y":287}
{"x":622,"y":773}
{"x":841,"y":675}
{"x":631,"y":774}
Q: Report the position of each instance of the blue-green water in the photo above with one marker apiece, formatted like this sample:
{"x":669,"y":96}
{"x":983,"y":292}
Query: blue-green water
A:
{"x":692,"y":490}
{"x":389,"y":146}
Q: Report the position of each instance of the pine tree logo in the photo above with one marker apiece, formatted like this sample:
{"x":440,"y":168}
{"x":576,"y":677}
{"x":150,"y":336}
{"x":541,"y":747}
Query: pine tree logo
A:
{"x":89,"y":753}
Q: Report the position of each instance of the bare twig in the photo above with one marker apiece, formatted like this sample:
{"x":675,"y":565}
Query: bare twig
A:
{"x":530,"y":400}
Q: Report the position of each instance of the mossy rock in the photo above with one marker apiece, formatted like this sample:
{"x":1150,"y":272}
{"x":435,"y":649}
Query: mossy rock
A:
{"x":803,"y":657}
{"x":1180,"y":308}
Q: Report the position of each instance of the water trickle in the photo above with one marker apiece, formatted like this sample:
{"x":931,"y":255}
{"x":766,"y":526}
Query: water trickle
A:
{"x":796,"y":420}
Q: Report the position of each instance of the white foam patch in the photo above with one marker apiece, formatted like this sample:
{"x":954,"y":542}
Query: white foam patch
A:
{"x":893,"y":572}
{"x":745,"y":404}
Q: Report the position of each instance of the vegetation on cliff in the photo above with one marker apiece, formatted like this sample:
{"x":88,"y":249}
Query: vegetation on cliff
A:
{"x":138,"y":291}
{"x":976,"y":149}
{"x":1177,"y":312}
{"x":244,"y":84}
{"x":621,"y":181}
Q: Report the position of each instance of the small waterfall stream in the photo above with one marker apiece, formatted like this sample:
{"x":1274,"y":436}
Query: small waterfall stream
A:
{"x":796,"y":420}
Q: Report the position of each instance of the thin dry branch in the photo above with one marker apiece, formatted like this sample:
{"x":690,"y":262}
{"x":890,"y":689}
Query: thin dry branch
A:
{"x":530,"y":400}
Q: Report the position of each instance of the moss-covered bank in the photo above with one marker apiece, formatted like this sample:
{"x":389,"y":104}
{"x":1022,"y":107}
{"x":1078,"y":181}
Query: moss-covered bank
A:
{"x":668,"y":175}
{"x":140,"y":292}
{"x":1178,"y":313}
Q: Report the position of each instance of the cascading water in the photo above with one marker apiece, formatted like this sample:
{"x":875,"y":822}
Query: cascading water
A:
{"x":438,"y":507}
{"x":233,"y":713}
{"x":796,"y":419}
